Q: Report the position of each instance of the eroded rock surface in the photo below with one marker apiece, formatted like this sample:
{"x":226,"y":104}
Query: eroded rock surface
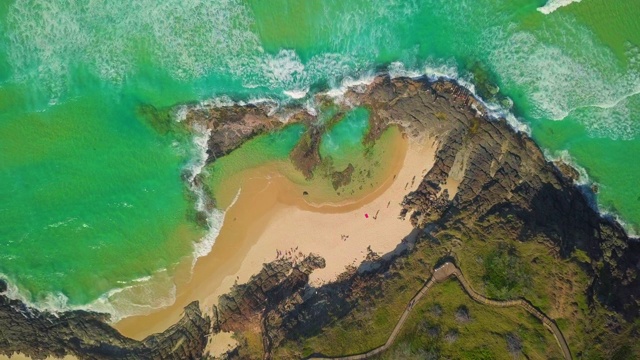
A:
{"x":504,"y":187}
{"x":507,"y":186}
{"x":87,"y":335}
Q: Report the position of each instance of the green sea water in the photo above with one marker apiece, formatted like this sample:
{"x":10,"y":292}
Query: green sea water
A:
{"x":265,"y":148}
{"x":344,"y":138}
{"x":75,"y":151}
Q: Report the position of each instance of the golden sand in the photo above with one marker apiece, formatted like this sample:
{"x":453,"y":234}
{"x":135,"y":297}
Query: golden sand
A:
{"x":271,"y":214}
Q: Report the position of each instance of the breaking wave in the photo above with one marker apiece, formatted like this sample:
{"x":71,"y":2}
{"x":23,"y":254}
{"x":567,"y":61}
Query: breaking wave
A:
{"x":553,"y":5}
{"x":192,"y":39}
{"x":559,"y":82}
{"x":141,"y":296}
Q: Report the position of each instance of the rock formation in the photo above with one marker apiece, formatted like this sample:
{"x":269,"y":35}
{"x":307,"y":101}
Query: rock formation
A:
{"x":487,"y":180}
{"x":87,"y":335}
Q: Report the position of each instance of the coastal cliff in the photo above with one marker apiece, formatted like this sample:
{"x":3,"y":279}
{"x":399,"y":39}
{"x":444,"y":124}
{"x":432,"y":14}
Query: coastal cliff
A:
{"x":490,"y":189}
{"x":87,"y":335}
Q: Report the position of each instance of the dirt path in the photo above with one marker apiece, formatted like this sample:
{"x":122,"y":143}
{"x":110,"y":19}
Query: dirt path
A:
{"x":441,"y":274}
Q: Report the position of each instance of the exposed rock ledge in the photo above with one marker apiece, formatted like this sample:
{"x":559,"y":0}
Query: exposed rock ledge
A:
{"x":505,"y":187}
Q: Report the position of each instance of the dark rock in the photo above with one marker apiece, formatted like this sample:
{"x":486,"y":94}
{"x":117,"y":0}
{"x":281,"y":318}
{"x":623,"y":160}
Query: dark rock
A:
{"x":462,"y":315}
{"x":567,"y":170}
{"x":507,"y":189}
{"x":231,"y":126}
{"x":306,"y":154}
{"x":342,"y":178}
{"x":86,"y":335}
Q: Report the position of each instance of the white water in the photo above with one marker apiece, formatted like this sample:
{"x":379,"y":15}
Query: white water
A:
{"x":553,"y":5}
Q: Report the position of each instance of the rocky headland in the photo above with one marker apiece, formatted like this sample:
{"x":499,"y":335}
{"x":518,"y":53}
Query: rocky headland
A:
{"x":490,"y":189}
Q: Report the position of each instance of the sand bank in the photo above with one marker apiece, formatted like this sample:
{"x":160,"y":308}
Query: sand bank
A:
{"x":271,"y":218}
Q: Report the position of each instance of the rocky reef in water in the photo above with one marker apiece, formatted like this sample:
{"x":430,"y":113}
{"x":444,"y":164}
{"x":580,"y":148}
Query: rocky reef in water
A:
{"x":488,"y":181}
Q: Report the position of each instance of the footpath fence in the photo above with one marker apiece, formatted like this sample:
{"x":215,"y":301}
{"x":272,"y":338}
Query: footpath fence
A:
{"x":441,"y":274}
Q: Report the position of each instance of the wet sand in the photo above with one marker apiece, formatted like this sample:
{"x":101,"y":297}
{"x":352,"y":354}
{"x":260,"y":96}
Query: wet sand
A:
{"x":272,"y":218}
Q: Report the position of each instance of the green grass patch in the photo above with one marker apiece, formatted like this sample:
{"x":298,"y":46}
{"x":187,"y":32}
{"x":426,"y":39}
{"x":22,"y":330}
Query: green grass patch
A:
{"x":506,"y":275}
{"x":483,"y":335}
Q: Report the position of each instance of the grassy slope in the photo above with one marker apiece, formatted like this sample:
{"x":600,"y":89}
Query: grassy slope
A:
{"x":484,"y":336}
{"x":557,"y":286}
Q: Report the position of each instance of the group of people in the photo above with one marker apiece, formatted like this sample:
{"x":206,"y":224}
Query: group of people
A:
{"x":292,"y":254}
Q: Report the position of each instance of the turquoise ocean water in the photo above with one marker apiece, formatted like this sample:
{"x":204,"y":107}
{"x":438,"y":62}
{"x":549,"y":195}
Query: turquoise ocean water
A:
{"x":92,"y":197}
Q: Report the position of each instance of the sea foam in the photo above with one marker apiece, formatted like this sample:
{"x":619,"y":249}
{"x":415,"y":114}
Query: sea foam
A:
{"x":560,"y":78}
{"x":140,"y":296}
{"x":553,"y":5}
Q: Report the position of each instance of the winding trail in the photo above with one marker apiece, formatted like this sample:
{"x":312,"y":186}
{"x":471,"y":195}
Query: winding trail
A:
{"x":443,"y":273}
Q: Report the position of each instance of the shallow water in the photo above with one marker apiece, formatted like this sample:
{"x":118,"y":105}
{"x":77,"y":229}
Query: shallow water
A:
{"x":345,"y":138}
{"x":74,"y":150}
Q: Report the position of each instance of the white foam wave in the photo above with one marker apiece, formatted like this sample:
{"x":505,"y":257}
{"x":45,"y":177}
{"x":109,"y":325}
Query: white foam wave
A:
{"x":61,"y":223}
{"x":565,"y":157}
{"x":357,"y":84}
{"x":628,"y":228}
{"x":285,"y":70}
{"x":181,"y":113}
{"x":553,"y":5}
{"x":141,"y":296}
{"x":620,"y":122}
{"x":215,"y":217}
{"x":189,"y":38}
{"x":272,"y":105}
{"x":296,"y":94}
{"x":585,"y":181}
{"x":559,"y":76}
{"x":439,"y":69}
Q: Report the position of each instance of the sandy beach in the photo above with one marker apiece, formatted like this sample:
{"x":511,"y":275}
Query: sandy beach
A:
{"x":271,"y":218}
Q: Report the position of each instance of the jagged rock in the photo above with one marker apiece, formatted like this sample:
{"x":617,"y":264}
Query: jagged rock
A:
{"x":86,"y":335}
{"x":507,"y":189}
{"x":230,"y":126}
{"x":567,"y":170}
{"x":504,"y":176}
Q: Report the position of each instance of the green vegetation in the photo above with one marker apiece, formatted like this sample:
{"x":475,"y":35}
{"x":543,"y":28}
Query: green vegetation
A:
{"x":506,"y":275}
{"x":378,"y":311}
{"x":250,"y":345}
{"x":495,"y":264}
{"x":436,"y":329}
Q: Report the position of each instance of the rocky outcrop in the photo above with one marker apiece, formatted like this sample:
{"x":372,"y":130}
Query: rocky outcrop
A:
{"x":259,"y":304}
{"x":306,"y":154}
{"x":230,"y":126}
{"x":503,"y":175}
{"x":87,"y":335}
{"x":504,"y":187}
